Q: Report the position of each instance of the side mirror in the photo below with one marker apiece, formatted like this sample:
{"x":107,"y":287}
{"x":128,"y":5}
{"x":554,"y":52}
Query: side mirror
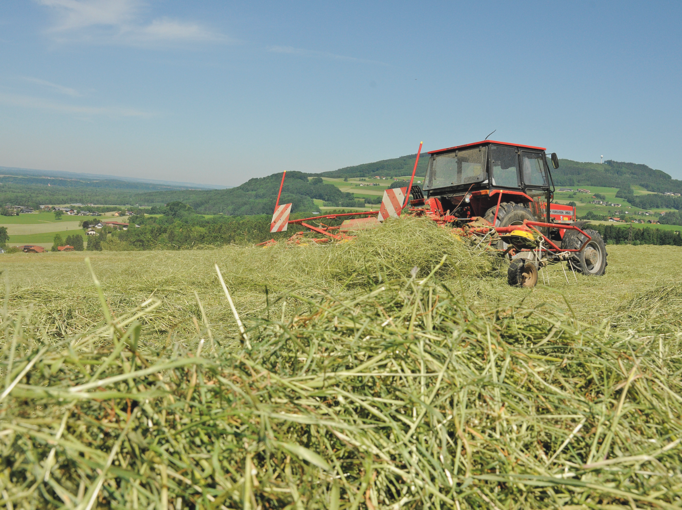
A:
{"x":555,"y":160}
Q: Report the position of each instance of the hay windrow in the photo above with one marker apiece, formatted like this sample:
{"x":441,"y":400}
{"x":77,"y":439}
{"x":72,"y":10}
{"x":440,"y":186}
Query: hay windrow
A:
{"x":397,"y":395}
{"x":389,"y":252}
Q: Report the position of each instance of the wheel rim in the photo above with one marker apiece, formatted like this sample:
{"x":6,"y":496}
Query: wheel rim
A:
{"x":593,"y":257}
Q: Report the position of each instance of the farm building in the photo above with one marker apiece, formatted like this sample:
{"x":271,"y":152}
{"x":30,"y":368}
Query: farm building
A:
{"x":65,"y":248}
{"x":29,"y":248}
{"x":115,"y":224}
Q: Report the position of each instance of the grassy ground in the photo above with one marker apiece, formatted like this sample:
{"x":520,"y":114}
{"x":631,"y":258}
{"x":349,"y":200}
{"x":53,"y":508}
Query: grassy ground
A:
{"x":28,"y":219}
{"x":135,"y":276}
{"x":43,"y":237}
{"x":42,"y":228}
{"x":371,"y":374}
{"x":674,"y":228}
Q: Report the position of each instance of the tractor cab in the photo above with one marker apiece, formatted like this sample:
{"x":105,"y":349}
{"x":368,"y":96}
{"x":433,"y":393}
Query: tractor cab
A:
{"x":470,"y":179}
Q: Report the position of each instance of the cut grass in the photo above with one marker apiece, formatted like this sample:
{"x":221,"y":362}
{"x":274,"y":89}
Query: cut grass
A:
{"x":365,"y":385}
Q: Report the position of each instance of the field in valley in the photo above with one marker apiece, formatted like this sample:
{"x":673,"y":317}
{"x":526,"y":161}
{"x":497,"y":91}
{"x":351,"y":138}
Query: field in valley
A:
{"x":370,"y":374}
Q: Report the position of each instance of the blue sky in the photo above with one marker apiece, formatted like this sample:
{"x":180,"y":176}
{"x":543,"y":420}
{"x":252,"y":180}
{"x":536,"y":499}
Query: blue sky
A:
{"x":218,"y":92}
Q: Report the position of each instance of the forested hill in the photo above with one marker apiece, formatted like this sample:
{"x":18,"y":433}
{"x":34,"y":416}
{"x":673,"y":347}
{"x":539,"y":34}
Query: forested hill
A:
{"x":257,"y":196}
{"x":614,"y":174}
{"x":396,"y":167}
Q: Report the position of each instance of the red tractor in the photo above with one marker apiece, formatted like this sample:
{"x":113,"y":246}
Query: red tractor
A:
{"x":510,"y":186}
{"x":499,"y":192}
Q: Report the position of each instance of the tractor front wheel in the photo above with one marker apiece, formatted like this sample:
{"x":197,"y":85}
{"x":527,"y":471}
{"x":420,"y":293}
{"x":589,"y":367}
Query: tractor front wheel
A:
{"x":522,"y":273}
{"x":592,"y":260}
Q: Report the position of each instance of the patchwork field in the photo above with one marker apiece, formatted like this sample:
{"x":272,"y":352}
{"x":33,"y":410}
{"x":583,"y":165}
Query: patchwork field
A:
{"x":373,"y":373}
{"x":40,"y":228}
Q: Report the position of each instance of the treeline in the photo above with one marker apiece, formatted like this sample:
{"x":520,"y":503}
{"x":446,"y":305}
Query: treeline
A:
{"x":191,"y":232}
{"x":179,"y":227}
{"x":613,"y":234}
{"x":35,"y":196}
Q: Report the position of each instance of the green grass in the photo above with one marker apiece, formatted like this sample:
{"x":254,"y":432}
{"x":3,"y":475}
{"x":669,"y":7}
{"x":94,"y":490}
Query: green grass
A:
{"x":34,"y":218}
{"x":674,"y":228}
{"x":45,"y":237}
{"x":371,"y":373}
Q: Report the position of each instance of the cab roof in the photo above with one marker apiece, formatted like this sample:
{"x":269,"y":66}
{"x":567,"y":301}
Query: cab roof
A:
{"x":486,"y":142}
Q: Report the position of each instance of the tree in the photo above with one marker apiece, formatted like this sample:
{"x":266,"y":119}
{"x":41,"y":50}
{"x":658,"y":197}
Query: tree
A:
{"x":316,"y":180}
{"x":4,"y":237}
{"x":58,"y":215}
{"x":572,"y":204}
{"x":58,"y":241}
{"x":78,"y":243}
{"x":94,"y":243}
{"x":177,"y":209}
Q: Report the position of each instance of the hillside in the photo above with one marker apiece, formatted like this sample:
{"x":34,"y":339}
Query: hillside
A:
{"x":34,"y":187}
{"x":396,"y":167}
{"x":614,"y":174}
{"x":257,"y":196}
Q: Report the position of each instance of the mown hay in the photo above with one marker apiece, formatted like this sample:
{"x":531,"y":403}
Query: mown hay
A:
{"x":63,"y":304}
{"x":657,"y":310}
{"x":398,"y":397}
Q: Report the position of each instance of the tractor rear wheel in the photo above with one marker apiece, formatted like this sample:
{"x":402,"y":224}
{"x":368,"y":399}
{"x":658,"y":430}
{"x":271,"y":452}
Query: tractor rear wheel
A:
{"x":592,"y":261}
{"x":522,"y":273}
{"x":509,"y":214}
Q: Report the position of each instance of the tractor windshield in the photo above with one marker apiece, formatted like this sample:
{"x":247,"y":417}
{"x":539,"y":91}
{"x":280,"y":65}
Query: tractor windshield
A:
{"x":457,"y":168}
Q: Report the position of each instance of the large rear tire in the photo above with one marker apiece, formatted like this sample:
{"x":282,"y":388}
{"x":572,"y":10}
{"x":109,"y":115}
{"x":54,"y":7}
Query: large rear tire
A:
{"x":592,"y":261}
{"x":509,"y":214}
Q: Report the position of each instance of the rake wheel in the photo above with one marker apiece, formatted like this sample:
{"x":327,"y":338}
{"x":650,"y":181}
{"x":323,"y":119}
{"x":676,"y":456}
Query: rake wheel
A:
{"x":522,"y":273}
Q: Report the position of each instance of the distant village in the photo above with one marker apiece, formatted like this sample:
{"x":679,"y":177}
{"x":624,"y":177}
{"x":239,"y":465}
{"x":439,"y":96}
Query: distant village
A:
{"x":91,"y":229}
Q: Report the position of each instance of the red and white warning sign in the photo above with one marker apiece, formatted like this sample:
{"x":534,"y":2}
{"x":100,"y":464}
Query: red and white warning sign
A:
{"x":280,"y":220}
{"x":392,"y":203}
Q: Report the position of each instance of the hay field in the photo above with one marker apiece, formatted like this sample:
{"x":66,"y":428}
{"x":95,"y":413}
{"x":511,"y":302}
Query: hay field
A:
{"x":359,"y":381}
{"x":42,"y":228}
{"x":173,"y":276}
{"x":28,"y":219}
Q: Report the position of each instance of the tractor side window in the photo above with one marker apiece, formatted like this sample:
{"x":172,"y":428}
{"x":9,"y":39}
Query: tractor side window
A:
{"x":504,"y":165}
{"x":533,"y":170}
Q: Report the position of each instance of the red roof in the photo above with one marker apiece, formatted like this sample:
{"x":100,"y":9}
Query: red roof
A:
{"x":33,"y":249}
{"x":65,"y":248}
{"x":486,"y":142}
{"x":114,"y":223}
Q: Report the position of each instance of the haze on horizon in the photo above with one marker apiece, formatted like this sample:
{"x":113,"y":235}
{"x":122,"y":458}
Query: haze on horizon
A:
{"x":219,"y":92}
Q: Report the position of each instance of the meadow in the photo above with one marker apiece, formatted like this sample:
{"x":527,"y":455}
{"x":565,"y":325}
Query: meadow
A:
{"x":377,"y":373}
{"x":40,"y":228}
